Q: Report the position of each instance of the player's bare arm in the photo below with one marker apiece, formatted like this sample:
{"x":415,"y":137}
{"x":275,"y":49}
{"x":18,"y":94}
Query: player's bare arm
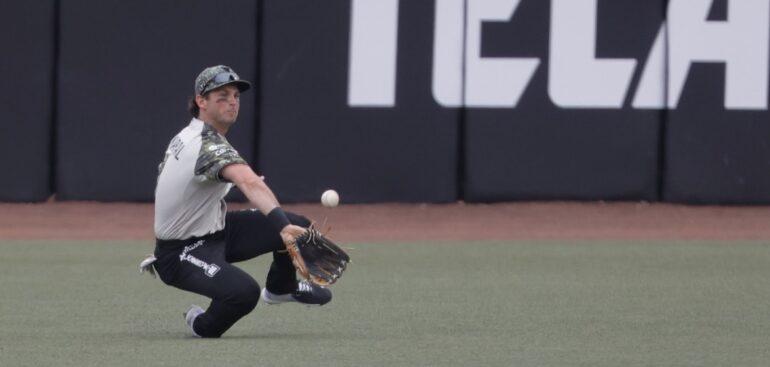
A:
{"x":259,"y":194}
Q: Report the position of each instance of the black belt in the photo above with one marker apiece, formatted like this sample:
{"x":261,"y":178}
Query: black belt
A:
{"x":173,"y":244}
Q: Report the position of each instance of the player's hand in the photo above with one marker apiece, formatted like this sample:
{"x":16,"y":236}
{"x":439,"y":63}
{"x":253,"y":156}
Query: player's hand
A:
{"x":290,"y":233}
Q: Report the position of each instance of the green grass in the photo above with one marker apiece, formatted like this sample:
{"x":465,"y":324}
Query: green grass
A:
{"x":429,"y":304}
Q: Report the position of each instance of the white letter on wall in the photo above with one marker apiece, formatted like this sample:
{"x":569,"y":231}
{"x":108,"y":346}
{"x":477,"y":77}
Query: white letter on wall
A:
{"x":741,"y":42}
{"x":447,"y":82}
{"x":576,"y":78}
{"x":373,"y":46}
{"x":489,"y":82}
{"x":651,"y":90}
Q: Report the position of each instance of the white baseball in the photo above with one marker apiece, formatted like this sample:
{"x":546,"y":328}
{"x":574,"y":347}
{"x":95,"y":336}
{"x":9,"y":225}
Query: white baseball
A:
{"x":330,"y":198}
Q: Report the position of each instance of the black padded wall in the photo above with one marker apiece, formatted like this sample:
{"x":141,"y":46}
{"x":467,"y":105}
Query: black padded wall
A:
{"x":126,"y":71}
{"x":26,"y":98}
{"x":716,"y":156}
{"x":394,"y":100}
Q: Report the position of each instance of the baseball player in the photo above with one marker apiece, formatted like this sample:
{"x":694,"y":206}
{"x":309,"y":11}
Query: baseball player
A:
{"x":198,"y":240}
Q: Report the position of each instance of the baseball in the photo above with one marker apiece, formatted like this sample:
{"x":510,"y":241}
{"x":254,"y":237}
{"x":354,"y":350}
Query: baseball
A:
{"x":330,"y":199}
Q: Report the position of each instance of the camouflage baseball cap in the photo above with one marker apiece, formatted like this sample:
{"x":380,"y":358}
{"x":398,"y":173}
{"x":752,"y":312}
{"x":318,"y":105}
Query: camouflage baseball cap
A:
{"x":214,"y":77}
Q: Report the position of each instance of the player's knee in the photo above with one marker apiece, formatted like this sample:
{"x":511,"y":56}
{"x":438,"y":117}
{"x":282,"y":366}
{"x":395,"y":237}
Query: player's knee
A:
{"x":299,"y":220}
{"x":246,"y":298}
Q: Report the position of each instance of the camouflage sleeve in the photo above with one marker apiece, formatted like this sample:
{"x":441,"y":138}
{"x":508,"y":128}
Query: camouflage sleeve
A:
{"x":216,"y":153}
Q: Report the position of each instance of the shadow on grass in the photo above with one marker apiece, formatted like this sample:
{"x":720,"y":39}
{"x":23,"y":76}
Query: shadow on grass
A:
{"x":163,"y":335}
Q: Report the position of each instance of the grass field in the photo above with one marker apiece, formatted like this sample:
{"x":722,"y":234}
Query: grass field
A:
{"x":407,"y":304}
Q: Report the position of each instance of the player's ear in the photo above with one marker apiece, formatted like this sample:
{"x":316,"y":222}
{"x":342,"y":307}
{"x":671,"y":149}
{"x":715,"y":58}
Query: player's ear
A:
{"x":200,"y":101}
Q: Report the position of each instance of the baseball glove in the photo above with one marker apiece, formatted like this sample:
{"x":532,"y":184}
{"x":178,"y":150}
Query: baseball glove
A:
{"x":317,"y":258}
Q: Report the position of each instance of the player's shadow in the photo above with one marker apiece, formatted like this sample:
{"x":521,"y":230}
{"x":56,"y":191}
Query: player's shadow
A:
{"x":255,"y":336}
{"x":282,"y":335}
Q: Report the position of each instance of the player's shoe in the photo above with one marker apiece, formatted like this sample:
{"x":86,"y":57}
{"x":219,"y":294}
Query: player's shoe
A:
{"x":307,"y":293}
{"x":189,"y":317}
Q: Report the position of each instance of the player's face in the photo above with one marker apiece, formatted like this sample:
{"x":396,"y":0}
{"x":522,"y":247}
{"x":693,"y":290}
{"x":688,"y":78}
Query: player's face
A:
{"x":221,"y":105}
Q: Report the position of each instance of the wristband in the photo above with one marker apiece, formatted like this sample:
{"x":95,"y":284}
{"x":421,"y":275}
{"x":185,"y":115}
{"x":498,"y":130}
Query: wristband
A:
{"x":278,"y":219}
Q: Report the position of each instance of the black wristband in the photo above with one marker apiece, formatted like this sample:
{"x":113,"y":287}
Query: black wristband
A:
{"x":278,"y":219}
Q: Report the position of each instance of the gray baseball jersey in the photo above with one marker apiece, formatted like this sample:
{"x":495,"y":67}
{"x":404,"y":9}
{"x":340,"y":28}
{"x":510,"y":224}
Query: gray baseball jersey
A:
{"x":189,"y":196}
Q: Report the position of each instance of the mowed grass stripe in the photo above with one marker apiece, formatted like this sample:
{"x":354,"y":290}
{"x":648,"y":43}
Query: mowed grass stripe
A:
{"x":539,"y":303}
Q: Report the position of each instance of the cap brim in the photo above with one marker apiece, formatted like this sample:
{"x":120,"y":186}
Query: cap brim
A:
{"x":240,"y":83}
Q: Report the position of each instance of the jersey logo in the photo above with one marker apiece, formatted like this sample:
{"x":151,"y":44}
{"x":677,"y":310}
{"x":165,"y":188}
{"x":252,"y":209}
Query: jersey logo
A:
{"x":175,"y":147}
{"x":209,"y":269}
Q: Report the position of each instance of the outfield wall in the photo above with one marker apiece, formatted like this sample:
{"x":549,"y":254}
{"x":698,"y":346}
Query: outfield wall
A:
{"x":406,"y":101}
{"x":27,"y":98}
